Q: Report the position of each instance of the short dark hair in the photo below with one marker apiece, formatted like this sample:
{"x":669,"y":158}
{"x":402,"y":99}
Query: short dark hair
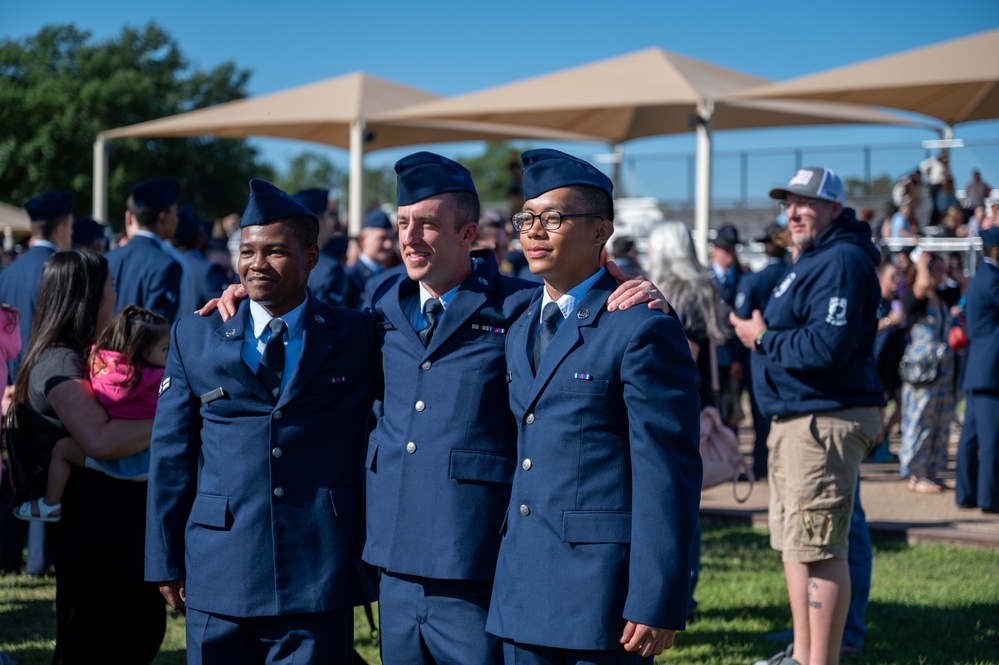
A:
{"x":146,"y":218}
{"x":46,"y":228}
{"x":466,"y":208}
{"x":305,"y":229}
{"x":597,"y":201}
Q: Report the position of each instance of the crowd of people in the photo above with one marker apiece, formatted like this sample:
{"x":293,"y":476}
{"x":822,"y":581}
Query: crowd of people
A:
{"x":374,"y":417}
{"x":925,"y":202}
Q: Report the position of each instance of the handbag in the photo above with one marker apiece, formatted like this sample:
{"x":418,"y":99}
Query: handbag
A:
{"x":719,"y":448}
{"x":720,"y":455}
{"x":920,"y":363}
{"x":25,"y":467}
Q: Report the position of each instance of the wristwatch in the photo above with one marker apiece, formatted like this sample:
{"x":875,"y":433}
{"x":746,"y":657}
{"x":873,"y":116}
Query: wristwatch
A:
{"x":758,"y":344}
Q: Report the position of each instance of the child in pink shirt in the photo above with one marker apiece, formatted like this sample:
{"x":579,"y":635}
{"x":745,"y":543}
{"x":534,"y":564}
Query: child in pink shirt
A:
{"x":126,"y":367}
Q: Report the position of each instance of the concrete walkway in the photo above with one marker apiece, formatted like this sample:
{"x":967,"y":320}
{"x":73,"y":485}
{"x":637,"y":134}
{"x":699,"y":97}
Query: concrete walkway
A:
{"x":893,"y":512}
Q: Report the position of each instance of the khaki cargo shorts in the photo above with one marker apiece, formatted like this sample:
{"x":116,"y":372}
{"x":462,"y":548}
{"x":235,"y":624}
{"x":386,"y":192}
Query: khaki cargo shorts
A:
{"x":814,"y":464}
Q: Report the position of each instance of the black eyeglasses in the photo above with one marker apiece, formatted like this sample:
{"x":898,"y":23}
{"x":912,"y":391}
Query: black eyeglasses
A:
{"x":551,"y":220}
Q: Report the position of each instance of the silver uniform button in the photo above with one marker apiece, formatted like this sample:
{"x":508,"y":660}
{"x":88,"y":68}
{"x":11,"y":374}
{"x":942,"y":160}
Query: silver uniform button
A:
{"x":279,"y":492}
{"x":426,"y":365}
{"x":410,"y":447}
{"x":420,"y":406}
{"x":526,"y":464}
{"x":277,"y":415}
{"x":529,"y":419}
{"x":524,"y":510}
{"x":277,"y":452}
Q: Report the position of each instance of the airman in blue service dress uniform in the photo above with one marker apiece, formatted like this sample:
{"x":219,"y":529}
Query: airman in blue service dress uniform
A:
{"x":376,"y":248}
{"x":594,"y":562}
{"x":145,"y":274}
{"x":256,"y":492}
{"x":51,"y":216}
{"x":208,"y":279}
{"x":327,"y":281}
{"x":441,"y":458}
{"x":977,"y":477}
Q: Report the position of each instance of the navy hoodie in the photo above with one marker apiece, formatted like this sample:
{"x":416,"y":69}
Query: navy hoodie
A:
{"x":821,"y":322}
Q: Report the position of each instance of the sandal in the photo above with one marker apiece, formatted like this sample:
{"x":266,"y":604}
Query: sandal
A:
{"x":38,"y":511}
{"x":924,"y":486}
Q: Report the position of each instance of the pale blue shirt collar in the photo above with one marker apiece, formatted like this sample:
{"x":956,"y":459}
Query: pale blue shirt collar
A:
{"x":372,"y":265}
{"x":44,"y":243}
{"x":253,"y":345}
{"x":567,"y":303}
{"x":260,"y":317}
{"x":417,"y":317}
{"x":720,"y":273}
{"x":149,"y":234}
{"x":989,"y":260}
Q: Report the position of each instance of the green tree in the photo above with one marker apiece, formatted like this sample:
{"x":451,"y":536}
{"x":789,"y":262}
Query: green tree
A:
{"x":312,"y":169}
{"x":59,"y":89}
{"x":492,"y":174}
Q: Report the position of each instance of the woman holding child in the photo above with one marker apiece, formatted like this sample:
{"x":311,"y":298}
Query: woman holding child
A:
{"x":105,"y":612}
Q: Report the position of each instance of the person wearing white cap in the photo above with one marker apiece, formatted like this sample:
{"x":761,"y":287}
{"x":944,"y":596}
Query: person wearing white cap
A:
{"x":814,"y":374}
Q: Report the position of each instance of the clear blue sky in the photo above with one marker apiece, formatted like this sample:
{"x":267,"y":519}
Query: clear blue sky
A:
{"x":451,"y":48}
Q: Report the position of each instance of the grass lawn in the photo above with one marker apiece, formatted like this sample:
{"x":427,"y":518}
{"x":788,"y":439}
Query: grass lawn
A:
{"x":929,"y":605}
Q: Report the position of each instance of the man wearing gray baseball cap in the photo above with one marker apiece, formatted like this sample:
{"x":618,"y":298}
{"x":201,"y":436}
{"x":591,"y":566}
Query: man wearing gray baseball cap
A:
{"x":816,"y":378}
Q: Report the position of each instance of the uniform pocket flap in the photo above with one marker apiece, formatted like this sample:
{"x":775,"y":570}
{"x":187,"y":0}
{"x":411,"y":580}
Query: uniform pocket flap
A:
{"x":584,"y":383}
{"x":346,"y":501}
{"x":481,"y":466}
{"x":593,"y":526}
{"x":210,"y":510}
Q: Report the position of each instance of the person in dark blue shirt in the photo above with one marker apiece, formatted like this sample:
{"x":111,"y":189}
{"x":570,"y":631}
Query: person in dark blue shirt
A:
{"x":814,"y":374}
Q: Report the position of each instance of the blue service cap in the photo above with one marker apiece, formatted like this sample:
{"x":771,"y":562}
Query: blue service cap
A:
{"x":187,"y":221}
{"x":424,"y":174}
{"x":155,"y":193}
{"x":49,"y":206}
{"x":990,"y":237}
{"x":377,"y":219}
{"x":316,"y":199}
{"x":86,"y":230}
{"x":268,"y":204}
{"x":546,"y":169}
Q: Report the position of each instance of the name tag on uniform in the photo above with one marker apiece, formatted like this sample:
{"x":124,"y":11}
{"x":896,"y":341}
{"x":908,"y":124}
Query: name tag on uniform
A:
{"x":386,"y":325}
{"x":213,"y":395}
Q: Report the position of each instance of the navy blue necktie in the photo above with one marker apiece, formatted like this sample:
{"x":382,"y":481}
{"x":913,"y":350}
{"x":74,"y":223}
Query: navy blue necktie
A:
{"x":549,"y":325}
{"x":432,"y":310}
{"x":271,"y":369}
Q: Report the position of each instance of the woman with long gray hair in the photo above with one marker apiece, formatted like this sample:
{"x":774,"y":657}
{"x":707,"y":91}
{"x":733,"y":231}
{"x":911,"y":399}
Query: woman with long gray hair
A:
{"x":690,"y":288}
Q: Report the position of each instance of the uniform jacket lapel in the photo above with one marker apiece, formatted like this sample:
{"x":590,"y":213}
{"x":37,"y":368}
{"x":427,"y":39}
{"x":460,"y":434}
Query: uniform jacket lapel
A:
{"x":317,"y":343}
{"x":230,"y":335}
{"x":569,"y":335}
{"x":470,"y":298}
{"x":390,"y":307}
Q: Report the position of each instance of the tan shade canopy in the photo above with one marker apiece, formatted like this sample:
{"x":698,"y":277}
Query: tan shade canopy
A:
{"x":16,"y":218}
{"x":323,"y":112}
{"x":954,"y":81}
{"x":647,"y":93}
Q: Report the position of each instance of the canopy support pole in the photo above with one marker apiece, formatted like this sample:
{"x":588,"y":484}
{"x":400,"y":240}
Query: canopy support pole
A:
{"x":99,"y":210}
{"x":356,"y":187}
{"x":702,"y":195}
